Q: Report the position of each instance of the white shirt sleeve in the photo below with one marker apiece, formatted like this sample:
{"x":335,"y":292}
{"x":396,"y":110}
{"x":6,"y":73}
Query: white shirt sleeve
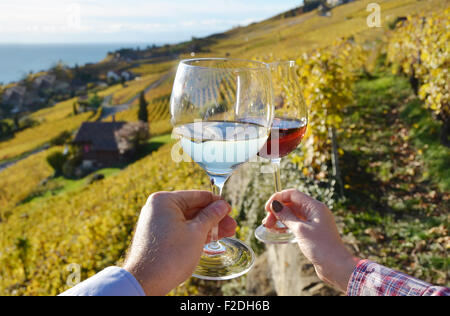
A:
{"x":112,"y":281}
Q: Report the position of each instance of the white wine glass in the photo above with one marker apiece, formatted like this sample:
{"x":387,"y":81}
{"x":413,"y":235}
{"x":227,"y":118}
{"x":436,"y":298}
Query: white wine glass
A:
{"x":222,"y":112}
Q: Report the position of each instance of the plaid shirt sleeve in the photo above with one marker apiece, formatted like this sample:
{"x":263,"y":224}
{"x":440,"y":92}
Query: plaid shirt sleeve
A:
{"x":372,"y":279}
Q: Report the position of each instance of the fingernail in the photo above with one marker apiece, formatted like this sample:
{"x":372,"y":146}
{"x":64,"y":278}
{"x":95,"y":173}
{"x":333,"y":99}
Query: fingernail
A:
{"x":276,"y":206}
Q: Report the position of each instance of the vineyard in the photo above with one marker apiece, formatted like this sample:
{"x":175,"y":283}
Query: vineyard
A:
{"x":158,"y":108}
{"x":34,"y":137}
{"x":36,"y":170}
{"x":57,"y":112}
{"x":419,"y":49}
{"x":73,"y":227}
{"x":131,"y":90}
{"x":376,"y":152}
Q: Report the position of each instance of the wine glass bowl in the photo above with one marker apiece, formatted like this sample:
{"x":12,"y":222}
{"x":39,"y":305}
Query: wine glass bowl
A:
{"x":222,"y":112}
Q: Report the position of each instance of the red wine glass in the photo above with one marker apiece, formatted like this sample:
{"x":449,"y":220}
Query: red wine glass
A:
{"x":289,"y":127}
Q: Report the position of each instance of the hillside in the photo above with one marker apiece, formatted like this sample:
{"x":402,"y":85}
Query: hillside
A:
{"x":271,"y":39}
{"x":388,"y":141}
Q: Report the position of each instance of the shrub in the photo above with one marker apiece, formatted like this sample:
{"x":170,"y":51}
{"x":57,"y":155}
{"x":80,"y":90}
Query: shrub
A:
{"x":6,"y":128}
{"x":95,"y":101}
{"x":96,"y":177}
{"x":73,"y":161}
{"x":28,"y":122}
{"x":143,"y":111}
{"x":63,"y":138}
{"x":57,"y":160}
{"x":132,"y":135}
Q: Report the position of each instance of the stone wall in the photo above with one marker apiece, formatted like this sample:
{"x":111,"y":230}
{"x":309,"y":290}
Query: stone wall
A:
{"x":280,"y":269}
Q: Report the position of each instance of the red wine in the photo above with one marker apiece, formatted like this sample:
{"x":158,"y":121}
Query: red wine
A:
{"x":285,"y":136}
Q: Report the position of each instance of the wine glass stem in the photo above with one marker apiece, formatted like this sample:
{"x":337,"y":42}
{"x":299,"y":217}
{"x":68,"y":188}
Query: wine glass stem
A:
{"x":214,"y":247}
{"x":276,"y":164}
{"x":276,"y":174}
{"x":217,"y":190}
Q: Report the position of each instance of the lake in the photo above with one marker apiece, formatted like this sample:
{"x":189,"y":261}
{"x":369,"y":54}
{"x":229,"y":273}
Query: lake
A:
{"x":17,"y":60}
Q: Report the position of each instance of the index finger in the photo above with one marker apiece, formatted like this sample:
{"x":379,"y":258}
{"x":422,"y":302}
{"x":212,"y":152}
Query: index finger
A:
{"x":290,"y":196}
{"x":293,"y":198}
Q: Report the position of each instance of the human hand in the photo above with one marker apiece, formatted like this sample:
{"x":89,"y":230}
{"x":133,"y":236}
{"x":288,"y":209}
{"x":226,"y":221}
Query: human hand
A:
{"x":172,"y":229}
{"x":318,"y":238}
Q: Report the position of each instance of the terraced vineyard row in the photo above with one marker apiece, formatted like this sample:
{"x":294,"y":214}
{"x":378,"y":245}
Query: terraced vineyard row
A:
{"x":132,"y":89}
{"x":18,"y":181}
{"x":158,"y":107}
{"x":31,"y":138}
{"x":91,"y":227}
{"x":419,"y":48}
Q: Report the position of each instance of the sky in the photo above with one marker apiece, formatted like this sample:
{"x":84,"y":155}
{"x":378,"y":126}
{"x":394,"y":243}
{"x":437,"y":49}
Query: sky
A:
{"x":133,"y":21}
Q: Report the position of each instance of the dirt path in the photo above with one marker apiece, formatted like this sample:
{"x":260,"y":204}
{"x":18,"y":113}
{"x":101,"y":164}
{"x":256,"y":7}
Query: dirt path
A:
{"x":10,"y":163}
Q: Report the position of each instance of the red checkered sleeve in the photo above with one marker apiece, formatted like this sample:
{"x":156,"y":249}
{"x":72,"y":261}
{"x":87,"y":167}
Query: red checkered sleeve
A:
{"x":372,"y":279}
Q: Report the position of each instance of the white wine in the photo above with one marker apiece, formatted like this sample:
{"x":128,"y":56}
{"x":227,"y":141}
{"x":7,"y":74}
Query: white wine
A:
{"x":220,"y":147}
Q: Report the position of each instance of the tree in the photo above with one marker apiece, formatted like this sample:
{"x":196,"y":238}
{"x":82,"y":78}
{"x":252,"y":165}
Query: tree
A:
{"x":16,"y":122}
{"x":6,"y":128}
{"x":132,"y":135}
{"x":57,"y":160}
{"x":23,"y":247}
{"x":95,"y":101}
{"x":143,"y":112}
{"x":310,"y":5}
{"x":61,"y":139}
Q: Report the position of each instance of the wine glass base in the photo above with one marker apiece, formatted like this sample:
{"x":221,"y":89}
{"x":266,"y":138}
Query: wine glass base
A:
{"x":273,"y":237}
{"x":235,"y":261}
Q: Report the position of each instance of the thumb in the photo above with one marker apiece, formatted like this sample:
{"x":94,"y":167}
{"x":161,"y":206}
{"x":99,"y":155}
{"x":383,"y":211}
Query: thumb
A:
{"x":211,"y":215}
{"x":285,"y":215}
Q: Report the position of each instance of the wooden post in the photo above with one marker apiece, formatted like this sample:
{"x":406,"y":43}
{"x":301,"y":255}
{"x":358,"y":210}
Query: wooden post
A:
{"x":335,"y":160}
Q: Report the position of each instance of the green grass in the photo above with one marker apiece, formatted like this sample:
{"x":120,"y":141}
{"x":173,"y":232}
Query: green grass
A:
{"x":165,"y":139}
{"x":396,"y":174}
{"x":153,"y":145}
{"x":424,"y":134}
{"x":387,"y":91}
{"x":62,"y":185}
